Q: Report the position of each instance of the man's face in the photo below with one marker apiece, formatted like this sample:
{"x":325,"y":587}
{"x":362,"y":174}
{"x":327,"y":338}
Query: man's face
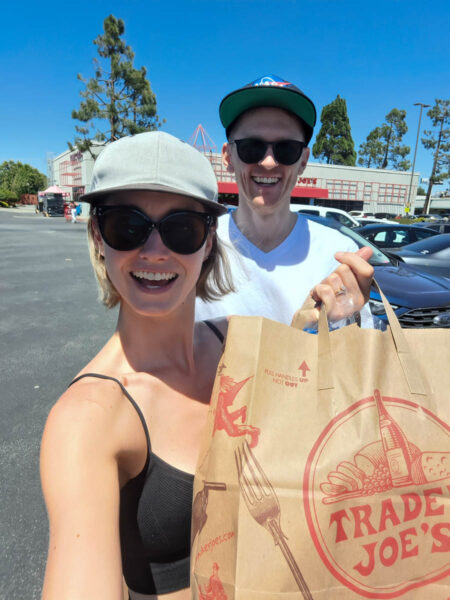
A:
{"x":265,"y":186}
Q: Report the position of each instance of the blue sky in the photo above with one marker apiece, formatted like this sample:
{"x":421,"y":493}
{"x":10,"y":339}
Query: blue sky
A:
{"x":376,"y":55}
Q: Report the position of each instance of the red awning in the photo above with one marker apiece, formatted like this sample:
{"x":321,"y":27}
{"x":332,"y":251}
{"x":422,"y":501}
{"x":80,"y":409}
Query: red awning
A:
{"x":300,"y":191}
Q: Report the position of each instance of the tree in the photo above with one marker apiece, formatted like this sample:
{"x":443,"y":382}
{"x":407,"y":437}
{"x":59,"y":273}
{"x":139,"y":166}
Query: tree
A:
{"x":19,"y":178}
{"x":440,"y":117}
{"x":334,"y":141}
{"x":420,"y":191}
{"x":383,"y":147}
{"x":118,"y":100}
{"x":371,"y":151}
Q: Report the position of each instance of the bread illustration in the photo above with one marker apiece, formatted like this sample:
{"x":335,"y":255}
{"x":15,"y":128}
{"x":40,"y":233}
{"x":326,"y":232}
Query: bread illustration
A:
{"x":369,"y":473}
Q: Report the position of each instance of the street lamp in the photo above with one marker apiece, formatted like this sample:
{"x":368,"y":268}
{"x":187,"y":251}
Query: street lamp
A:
{"x":422,"y":106}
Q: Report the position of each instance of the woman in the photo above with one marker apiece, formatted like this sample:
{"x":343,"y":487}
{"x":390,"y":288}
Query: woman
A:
{"x":120,"y":446}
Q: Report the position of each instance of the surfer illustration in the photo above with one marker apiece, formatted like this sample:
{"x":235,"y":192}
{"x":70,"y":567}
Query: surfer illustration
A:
{"x":226,"y":420}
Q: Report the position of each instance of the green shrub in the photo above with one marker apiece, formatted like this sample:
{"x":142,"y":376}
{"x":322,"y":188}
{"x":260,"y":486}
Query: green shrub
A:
{"x":7,"y":197}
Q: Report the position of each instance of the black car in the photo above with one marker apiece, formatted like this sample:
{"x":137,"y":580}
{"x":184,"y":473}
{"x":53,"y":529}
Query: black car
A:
{"x":53,"y":205}
{"x":431,"y":255}
{"x":440,"y":227}
{"x":383,"y":215}
{"x":392,"y":236}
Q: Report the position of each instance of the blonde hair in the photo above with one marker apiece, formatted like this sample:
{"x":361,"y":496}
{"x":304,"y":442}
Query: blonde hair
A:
{"x":215,"y":278}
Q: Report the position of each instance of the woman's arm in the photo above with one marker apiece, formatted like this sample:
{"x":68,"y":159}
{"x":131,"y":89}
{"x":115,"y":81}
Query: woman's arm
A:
{"x":80,"y":481}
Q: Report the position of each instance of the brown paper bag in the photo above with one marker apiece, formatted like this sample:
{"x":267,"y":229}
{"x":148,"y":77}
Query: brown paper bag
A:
{"x":325,"y":466}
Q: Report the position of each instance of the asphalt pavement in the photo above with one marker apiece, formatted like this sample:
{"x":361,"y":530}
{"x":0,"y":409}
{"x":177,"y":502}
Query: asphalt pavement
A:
{"x":51,"y":323}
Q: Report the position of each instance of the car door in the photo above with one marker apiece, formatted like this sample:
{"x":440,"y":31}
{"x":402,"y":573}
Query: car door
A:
{"x":422,"y":233}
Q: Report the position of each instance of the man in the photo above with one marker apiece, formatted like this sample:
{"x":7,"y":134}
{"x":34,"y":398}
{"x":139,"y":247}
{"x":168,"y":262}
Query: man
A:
{"x":278,"y":256}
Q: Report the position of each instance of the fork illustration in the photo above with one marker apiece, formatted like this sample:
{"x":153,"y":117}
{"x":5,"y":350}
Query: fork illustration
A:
{"x":263,"y":504}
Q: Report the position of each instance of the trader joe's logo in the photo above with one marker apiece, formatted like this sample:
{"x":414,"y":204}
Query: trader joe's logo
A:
{"x":377,"y":497}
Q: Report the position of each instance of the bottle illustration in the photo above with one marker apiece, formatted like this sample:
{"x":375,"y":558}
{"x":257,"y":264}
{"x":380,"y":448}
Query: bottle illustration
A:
{"x":395,"y":445}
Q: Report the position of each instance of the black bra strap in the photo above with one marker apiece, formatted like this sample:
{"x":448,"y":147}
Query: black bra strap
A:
{"x":126,"y":393}
{"x":215,"y":330}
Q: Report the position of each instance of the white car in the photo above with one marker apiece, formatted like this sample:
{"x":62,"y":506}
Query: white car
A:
{"x":325,"y":211}
{"x":360,"y":213}
{"x":373,"y":220}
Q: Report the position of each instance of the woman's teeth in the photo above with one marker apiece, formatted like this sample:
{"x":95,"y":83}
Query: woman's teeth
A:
{"x":153,"y":276}
{"x":153,"y":280}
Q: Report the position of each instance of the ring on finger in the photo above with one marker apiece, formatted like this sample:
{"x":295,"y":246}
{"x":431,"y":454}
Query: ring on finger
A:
{"x":341,"y":291}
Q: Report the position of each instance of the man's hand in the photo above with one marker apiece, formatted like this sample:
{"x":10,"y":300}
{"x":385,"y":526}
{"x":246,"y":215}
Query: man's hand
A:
{"x":344,"y":292}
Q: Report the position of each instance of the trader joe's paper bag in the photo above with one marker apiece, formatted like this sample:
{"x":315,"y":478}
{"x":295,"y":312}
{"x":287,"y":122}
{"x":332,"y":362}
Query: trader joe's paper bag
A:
{"x":325,"y":468}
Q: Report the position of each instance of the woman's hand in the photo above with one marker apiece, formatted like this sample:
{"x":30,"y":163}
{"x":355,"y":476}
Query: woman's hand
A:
{"x":343,"y":292}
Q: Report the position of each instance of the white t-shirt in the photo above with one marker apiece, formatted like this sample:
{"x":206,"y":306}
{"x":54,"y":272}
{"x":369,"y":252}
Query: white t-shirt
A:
{"x":275,"y":284}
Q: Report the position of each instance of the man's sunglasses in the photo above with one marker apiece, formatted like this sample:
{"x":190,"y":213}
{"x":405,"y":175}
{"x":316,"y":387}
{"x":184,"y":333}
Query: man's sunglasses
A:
{"x":127,"y":228}
{"x":285,"y":152}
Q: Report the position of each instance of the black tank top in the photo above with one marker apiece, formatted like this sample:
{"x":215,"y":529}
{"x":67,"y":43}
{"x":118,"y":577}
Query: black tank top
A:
{"x":155,"y":518}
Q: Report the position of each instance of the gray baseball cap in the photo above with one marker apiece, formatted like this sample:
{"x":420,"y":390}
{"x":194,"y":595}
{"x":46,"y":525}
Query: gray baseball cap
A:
{"x":155,"y":161}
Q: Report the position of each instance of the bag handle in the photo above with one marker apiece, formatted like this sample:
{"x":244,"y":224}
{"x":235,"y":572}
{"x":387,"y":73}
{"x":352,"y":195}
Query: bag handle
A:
{"x":416,"y":381}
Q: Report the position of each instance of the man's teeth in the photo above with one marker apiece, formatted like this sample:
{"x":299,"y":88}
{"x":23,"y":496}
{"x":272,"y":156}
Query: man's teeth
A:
{"x":266,"y":179}
{"x":153,"y":276}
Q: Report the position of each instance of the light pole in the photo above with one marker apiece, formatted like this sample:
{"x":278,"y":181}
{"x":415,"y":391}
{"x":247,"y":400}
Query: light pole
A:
{"x":422,"y":106}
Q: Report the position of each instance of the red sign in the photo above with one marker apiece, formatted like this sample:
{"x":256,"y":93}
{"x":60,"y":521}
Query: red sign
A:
{"x":308,"y":180}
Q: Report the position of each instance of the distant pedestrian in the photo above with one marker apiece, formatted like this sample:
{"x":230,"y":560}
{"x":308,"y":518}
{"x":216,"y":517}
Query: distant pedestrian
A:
{"x":73,"y":212}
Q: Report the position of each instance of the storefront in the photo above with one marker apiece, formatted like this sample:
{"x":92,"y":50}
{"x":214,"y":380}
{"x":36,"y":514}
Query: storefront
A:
{"x":347,"y":188}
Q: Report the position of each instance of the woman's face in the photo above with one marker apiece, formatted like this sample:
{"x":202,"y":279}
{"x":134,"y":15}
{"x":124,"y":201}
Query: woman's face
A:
{"x":153,"y":280}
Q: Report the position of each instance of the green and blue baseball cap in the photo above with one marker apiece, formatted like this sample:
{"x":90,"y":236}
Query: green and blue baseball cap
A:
{"x":272,"y":91}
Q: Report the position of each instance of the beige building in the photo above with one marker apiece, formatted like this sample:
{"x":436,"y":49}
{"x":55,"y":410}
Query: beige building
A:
{"x":347,"y":188}
{"x":72,"y":171}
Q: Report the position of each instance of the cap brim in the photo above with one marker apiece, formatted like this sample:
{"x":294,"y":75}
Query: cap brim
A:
{"x":236,"y":103}
{"x":213,"y":207}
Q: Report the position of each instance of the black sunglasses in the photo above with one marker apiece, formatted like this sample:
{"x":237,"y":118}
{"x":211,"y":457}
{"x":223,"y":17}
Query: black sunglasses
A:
{"x":127,"y":228}
{"x":285,"y":152}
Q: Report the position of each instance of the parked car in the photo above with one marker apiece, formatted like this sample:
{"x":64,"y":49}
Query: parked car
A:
{"x":430,"y":217}
{"x":359,"y":214}
{"x":418,"y":299}
{"x":384,"y":215}
{"x":431,"y":255}
{"x":330,"y":213}
{"x":392,"y":236}
{"x":439,"y":226}
{"x":372,"y":221}
{"x":53,"y":205}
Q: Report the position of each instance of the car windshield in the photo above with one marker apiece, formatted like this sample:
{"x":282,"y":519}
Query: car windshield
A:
{"x":430,"y":245}
{"x":377,"y":259}
{"x":339,"y":217}
{"x":309,"y":211}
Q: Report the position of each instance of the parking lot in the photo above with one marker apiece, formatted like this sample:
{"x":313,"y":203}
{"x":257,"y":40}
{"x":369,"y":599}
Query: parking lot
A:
{"x":50,"y":323}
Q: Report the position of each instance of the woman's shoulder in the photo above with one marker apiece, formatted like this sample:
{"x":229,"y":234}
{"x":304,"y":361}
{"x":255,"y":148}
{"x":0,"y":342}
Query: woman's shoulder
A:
{"x":90,"y":392}
{"x":93,"y":414}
